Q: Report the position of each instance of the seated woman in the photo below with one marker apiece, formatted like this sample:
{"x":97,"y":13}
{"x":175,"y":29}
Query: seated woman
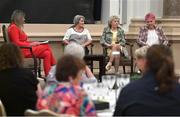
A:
{"x":150,"y":33}
{"x":18,"y":86}
{"x":19,"y":37}
{"x":140,"y":55}
{"x":67,"y":96}
{"x":113,"y":38}
{"x":77,"y":51}
{"x":157,"y":93}
{"x":78,"y":34}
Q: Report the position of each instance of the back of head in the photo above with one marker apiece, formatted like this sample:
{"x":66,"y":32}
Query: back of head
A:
{"x":141,"y":52}
{"x":16,"y":15}
{"x":74,"y":49}
{"x":68,"y":67}
{"x":10,"y":56}
{"x":160,"y":62}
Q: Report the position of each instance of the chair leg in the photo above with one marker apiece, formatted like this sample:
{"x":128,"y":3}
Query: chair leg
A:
{"x":35,"y":68}
{"x":39,"y":68}
{"x":132,"y":68}
{"x":91,"y":66}
{"x":124,"y":69}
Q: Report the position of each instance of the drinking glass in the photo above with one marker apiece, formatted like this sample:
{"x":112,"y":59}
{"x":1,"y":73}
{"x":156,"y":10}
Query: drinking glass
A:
{"x":111,"y":81}
{"x":105,"y":81}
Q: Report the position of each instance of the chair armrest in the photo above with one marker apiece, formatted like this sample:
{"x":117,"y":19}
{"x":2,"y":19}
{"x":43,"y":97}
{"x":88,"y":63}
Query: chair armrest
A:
{"x":26,"y":47}
{"x":33,"y":56}
{"x":169,"y":44}
{"x":104,"y":49}
{"x":91,"y":45}
{"x":130,"y":44}
{"x":30,"y":48}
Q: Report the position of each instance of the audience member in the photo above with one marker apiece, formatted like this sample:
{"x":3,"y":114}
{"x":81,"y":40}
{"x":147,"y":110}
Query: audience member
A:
{"x":113,"y":38}
{"x":150,"y":33}
{"x":157,"y":92}
{"x":67,"y":96}
{"x":140,"y":55}
{"x":78,"y":34}
{"x":77,"y":51}
{"x":19,"y":37}
{"x":18,"y":86}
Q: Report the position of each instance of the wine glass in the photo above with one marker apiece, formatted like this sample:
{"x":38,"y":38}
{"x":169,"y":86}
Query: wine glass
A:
{"x":111,"y":81}
{"x":126,"y":79}
{"x":123,"y":80}
{"x":105,"y":81}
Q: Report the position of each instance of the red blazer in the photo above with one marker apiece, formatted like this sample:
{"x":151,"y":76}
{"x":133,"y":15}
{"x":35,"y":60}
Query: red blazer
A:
{"x":18,"y":37}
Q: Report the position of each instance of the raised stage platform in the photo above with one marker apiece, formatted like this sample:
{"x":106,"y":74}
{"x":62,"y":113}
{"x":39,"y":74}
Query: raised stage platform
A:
{"x":55,"y":33}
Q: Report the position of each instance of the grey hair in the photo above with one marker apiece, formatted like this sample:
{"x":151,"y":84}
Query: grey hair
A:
{"x":112,"y":18}
{"x":77,"y":19}
{"x":141,"y":52}
{"x":74,"y":49}
{"x":15,"y":17}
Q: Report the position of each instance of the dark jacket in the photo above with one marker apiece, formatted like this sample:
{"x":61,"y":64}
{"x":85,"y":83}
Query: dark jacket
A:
{"x":141,"y":98}
{"x":18,"y":90}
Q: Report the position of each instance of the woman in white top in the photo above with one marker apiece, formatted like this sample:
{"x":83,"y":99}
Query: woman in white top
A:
{"x":151,"y":34}
{"x":77,"y":33}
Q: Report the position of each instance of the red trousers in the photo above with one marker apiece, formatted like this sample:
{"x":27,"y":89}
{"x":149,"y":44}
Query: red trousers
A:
{"x":44,"y":52}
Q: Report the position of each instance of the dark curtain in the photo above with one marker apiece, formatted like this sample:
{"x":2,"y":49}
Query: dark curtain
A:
{"x":51,"y":11}
{"x":97,"y":9}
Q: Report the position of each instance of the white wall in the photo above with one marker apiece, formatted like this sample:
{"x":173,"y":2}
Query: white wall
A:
{"x":114,"y":7}
{"x":139,"y":8}
{"x":156,"y":6}
{"x":105,"y":12}
{"x":135,"y":9}
{"x":109,"y":8}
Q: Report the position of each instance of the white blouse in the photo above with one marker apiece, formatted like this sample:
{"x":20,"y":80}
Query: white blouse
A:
{"x":152,"y":38}
{"x":78,"y":37}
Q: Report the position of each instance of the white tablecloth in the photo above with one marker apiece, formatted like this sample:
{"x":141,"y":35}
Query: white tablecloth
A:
{"x":103,"y":92}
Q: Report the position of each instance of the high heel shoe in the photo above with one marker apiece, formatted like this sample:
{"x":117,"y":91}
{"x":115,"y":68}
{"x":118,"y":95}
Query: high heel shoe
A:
{"x":108,"y":66}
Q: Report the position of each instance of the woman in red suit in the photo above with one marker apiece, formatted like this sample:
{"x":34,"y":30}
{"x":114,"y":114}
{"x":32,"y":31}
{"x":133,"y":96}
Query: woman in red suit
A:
{"x":19,"y":37}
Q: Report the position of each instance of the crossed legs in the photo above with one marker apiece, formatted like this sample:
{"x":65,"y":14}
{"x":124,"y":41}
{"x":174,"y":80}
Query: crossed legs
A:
{"x":115,"y":47}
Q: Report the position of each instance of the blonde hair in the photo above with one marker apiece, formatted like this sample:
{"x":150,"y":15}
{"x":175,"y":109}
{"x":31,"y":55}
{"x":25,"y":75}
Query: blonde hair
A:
{"x":141,"y":52}
{"x":112,"y":18}
{"x":15,"y":17}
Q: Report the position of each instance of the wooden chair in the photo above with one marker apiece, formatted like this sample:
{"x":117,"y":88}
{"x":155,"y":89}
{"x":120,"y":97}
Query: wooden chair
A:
{"x":44,"y":112}
{"x":36,"y":62}
{"x":89,"y":62}
{"x":2,"y":109}
{"x":124,"y":61}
